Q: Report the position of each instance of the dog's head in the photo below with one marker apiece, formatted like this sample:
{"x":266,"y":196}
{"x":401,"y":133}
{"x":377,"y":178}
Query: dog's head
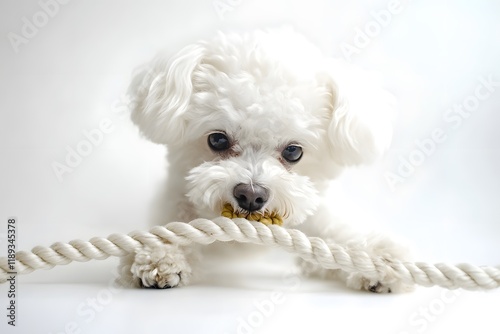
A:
{"x":260,"y":121}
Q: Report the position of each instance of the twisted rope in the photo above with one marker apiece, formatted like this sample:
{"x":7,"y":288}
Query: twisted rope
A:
{"x":205,"y":231}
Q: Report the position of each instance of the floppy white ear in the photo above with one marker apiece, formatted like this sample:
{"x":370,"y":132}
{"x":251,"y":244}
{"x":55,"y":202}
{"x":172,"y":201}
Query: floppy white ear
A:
{"x":360,"y":129}
{"x":162,"y":92}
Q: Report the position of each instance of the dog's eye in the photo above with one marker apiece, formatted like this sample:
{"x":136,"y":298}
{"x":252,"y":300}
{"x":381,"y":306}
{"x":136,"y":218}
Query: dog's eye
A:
{"x":292,"y":153}
{"x":218,"y":141}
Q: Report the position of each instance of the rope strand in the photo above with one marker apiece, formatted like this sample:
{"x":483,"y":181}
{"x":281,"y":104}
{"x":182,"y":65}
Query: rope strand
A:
{"x":204,"y":231}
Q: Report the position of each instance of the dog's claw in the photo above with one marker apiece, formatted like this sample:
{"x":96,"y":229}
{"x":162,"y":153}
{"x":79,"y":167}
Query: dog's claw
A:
{"x":156,"y":286}
{"x":161,"y":283}
{"x":378,"y":288}
{"x":373,"y":288}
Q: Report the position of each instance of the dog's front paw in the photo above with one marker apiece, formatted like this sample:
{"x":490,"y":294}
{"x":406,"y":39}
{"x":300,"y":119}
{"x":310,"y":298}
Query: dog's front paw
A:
{"x":381,"y":284}
{"x":161,"y":268}
{"x":385,"y":252}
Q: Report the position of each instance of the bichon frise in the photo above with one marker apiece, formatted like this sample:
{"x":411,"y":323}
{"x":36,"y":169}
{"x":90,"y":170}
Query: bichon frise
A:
{"x":258,"y":124}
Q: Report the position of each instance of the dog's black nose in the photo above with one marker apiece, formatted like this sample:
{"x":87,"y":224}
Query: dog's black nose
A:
{"x":250,"y":197}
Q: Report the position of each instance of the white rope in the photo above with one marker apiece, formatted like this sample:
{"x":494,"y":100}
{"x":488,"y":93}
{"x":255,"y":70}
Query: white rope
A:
{"x":205,"y":231}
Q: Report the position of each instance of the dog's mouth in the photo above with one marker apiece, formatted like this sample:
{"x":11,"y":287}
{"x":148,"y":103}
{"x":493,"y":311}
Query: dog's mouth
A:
{"x":267,"y":218}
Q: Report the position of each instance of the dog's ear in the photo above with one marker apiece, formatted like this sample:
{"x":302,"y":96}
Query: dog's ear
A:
{"x":161,"y":93}
{"x":360,"y":128}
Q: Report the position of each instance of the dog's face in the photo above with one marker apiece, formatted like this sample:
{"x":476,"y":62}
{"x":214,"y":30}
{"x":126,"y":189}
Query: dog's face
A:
{"x":258,"y":122}
{"x":259,"y":132}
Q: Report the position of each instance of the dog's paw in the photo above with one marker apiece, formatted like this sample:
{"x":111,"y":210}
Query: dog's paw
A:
{"x":153,"y":280}
{"x":385,"y":252}
{"x":161,"y":268}
{"x":382,"y":284}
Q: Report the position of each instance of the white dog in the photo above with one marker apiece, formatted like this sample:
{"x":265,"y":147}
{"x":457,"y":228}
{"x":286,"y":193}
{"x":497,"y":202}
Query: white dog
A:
{"x":263,"y":122}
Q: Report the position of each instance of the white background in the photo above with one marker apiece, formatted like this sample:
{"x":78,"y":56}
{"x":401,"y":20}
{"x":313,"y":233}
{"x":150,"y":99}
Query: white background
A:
{"x":73,"y":72}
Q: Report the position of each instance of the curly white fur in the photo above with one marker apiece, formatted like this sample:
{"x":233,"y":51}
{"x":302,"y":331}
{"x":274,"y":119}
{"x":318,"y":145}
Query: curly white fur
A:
{"x":265,"y":91}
